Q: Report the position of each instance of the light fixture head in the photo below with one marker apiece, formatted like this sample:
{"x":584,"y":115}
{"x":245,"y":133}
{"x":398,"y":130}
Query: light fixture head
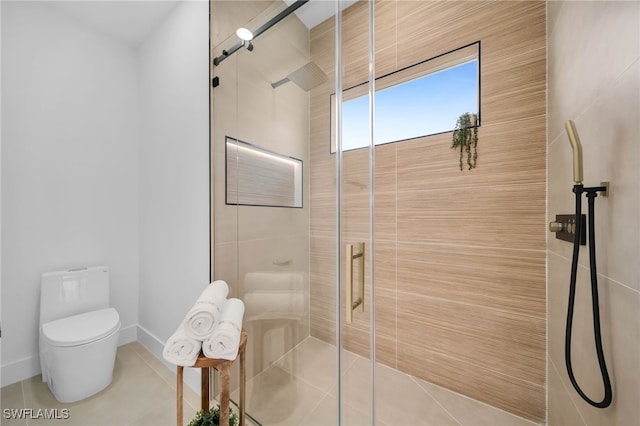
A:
{"x":244,"y":34}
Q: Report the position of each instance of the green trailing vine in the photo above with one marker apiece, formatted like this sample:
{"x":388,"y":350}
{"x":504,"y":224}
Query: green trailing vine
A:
{"x":212,"y":418}
{"x":465,"y":137}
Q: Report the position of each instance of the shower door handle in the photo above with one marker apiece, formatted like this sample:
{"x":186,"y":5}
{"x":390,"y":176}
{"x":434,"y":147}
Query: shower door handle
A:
{"x":350,"y":258}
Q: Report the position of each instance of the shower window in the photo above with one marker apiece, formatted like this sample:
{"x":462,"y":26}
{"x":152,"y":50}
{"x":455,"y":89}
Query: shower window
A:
{"x":420,"y":100}
{"x":259,"y":177}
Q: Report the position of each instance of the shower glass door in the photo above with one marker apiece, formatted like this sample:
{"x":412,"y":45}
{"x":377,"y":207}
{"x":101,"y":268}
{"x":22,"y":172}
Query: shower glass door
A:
{"x":354,"y":150}
{"x":289,"y":204}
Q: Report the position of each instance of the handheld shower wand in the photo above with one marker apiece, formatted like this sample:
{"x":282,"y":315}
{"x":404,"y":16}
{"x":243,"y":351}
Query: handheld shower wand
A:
{"x":592,"y":193}
{"x":576,"y":146}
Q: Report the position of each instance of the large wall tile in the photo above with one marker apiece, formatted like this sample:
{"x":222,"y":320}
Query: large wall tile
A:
{"x":609,"y":132}
{"x":483,"y":384}
{"x":506,"y":279}
{"x":619,"y":307}
{"x":512,"y":216}
{"x":474,"y":334}
{"x":584,"y":62}
{"x":567,"y":413}
{"x":598,"y":87}
{"x":430,"y":161}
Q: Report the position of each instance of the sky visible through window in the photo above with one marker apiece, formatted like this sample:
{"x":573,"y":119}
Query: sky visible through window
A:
{"x":425,"y":106}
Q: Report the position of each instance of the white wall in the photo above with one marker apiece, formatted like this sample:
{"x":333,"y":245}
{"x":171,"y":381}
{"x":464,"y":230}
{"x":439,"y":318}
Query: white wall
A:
{"x":0,"y":192}
{"x":69,"y":167}
{"x":174,"y":170}
{"x":105,"y":160}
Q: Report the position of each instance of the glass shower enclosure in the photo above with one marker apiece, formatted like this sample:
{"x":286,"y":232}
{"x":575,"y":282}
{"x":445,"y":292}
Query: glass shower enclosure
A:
{"x":377,"y":265}
{"x":292,"y":212}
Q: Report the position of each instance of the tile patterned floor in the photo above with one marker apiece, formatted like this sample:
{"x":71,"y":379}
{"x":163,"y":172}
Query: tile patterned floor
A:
{"x":298,"y":389}
{"x":142,"y":393}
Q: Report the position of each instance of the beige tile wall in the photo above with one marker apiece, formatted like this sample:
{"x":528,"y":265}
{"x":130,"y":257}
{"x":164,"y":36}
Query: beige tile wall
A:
{"x":594,"y":79}
{"x":460,"y":256}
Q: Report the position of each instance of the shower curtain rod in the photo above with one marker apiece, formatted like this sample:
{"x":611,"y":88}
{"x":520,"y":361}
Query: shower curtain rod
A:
{"x":270,"y":23}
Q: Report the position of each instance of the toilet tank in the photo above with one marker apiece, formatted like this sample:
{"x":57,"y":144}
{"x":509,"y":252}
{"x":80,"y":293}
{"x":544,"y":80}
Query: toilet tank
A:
{"x":66,"y":293}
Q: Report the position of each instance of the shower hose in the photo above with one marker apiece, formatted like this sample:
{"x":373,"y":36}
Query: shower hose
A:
{"x":592,"y":193}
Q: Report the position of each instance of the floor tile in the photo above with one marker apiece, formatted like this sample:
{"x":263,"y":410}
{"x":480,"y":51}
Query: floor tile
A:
{"x":135,"y":389}
{"x":275,"y":397}
{"x":325,"y":414}
{"x":314,"y":361}
{"x":299,"y":389}
{"x":12,"y":397}
{"x":469,"y":412}
{"x":164,"y":415}
{"x":16,"y":422}
{"x":399,"y":400}
{"x":165,"y":373}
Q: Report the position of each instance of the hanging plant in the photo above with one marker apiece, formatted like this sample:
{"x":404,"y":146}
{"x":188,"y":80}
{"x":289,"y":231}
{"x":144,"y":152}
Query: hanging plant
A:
{"x":465,"y":137}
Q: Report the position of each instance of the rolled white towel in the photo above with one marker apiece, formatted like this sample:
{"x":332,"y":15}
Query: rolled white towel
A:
{"x":180,"y":349}
{"x":206,"y":312}
{"x":225,"y":339}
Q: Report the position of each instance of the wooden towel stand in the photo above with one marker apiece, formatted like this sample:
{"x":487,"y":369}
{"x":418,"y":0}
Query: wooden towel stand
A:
{"x":223,"y":367}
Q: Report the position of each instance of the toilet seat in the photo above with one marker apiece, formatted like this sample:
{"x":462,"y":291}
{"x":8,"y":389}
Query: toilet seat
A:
{"x":82,"y":328}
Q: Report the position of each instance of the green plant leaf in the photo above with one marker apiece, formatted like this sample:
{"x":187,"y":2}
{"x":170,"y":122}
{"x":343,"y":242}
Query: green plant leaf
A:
{"x":465,"y":137}
{"x":212,"y":418}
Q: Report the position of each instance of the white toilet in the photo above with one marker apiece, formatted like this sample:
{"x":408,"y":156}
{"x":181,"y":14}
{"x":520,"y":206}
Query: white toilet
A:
{"x":78,"y":332}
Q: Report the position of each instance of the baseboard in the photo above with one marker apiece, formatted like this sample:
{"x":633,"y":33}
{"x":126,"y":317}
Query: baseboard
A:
{"x":128,"y":334}
{"x":20,"y":370}
{"x":155,"y":346}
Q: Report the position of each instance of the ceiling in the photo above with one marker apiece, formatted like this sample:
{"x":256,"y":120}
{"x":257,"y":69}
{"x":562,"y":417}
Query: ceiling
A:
{"x":317,"y":11}
{"x":131,"y":21}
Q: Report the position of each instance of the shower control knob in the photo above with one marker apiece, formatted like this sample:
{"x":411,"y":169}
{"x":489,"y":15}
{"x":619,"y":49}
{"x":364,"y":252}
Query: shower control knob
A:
{"x":566,"y":228}
{"x":557,"y":227}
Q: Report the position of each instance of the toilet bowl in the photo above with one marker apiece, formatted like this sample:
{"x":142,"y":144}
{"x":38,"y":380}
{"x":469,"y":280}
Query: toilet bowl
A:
{"x":78,"y":333}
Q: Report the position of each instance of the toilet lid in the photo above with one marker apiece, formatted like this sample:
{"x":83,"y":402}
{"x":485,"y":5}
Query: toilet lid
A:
{"x":82,"y":328}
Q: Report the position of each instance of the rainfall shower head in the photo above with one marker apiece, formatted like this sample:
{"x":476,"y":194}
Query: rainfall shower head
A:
{"x":306,"y":77}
